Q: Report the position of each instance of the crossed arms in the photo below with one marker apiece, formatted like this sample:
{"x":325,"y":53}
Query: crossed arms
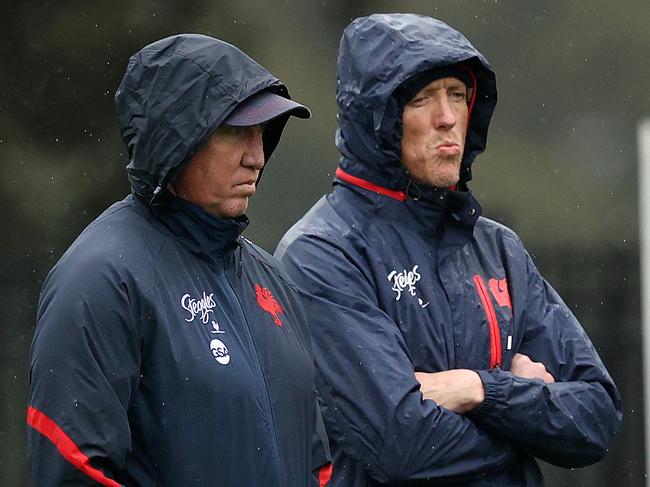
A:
{"x":461,"y":390}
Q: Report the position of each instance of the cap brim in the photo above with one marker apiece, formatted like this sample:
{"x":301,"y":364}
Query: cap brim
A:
{"x":263,"y":107}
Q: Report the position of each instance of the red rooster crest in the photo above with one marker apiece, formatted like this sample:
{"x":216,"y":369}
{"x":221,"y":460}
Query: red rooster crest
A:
{"x":268,"y":303}
{"x":499,"y":288}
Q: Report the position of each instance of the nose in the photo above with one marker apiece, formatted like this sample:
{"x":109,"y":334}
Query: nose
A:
{"x":444,"y":117}
{"x":254,"y":150}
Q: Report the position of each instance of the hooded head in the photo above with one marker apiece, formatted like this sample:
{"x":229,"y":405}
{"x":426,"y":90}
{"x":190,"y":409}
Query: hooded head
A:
{"x":384,"y":57}
{"x":178,"y":90}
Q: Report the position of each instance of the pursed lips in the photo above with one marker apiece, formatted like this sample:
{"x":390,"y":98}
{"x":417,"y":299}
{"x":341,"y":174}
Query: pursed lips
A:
{"x":448,"y":148}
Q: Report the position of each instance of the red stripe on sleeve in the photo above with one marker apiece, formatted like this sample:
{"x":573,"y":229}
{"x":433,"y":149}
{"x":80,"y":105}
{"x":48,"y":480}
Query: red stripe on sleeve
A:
{"x":324,"y":475}
{"x":68,"y":449}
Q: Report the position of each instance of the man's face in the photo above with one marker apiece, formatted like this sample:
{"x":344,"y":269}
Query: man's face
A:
{"x":222,"y":174}
{"x":434,"y":126}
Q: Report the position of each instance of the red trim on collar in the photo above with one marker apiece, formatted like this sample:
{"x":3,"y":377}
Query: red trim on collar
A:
{"x":362,"y":183}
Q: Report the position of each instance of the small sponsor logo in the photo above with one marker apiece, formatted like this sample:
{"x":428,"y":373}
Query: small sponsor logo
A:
{"x":268,"y":303}
{"x":220,"y":351}
{"x":406,"y":281}
{"x":202,"y":307}
{"x":216,"y":329}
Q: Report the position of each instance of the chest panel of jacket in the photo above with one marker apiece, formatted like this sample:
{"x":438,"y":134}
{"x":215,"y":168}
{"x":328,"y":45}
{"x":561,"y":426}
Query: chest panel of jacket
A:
{"x":447,"y":312}
{"x":222,"y":355}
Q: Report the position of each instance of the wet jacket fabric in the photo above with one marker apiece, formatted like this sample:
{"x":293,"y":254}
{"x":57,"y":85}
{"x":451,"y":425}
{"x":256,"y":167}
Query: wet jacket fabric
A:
{"x":400,"y":278}
{"x":170,"y":350}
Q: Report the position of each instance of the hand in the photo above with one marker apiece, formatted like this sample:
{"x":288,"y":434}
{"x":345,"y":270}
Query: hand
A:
{"x":459,"y":390}
{"x":523,"y":366}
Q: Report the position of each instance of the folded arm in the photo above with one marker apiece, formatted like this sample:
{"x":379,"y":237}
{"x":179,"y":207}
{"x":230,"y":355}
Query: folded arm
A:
{"x":462,"y":391}
{"x":570,"y":421}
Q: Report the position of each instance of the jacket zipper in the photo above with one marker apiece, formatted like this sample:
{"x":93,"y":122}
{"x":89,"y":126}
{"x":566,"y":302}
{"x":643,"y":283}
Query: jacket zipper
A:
{"x":495,"y":332}
{"x":266,"y":386}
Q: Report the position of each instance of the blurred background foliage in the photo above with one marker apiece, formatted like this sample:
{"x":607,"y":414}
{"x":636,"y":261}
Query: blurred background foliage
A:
{"x":560,"y":167}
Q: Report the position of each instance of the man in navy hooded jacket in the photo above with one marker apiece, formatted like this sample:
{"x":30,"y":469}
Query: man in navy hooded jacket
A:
{"x":169,"y":350}
{"x":443,"y":357}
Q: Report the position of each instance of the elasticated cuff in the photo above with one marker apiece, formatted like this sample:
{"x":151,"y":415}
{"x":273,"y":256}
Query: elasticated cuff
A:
{"x":491,"y":387}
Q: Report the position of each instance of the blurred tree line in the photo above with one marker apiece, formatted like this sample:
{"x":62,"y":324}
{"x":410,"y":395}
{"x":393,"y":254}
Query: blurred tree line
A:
{"x":560,"y":165}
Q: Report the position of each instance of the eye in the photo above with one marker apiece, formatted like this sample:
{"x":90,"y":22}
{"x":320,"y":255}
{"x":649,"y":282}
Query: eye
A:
{"x":262,"y":127}
{"x":418,"y":101}
{"x":458,"y":95}
{"x":230,"y":129}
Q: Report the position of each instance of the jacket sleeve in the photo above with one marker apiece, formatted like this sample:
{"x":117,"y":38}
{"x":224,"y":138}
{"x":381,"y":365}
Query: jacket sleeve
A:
{"x":571,"y":422}
{"x":84,"y":369}
{"x":372,"y":405}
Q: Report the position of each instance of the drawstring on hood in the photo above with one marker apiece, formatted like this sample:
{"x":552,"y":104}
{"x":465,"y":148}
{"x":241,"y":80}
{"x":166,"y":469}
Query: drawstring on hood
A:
{"x":377,"y":56}
{"x":413,"y":191}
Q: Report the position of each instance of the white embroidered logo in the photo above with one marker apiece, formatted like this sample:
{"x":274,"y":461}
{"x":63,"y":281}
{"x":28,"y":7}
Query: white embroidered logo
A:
{"x":220,"y":352}
{"x":215,"y":328}
{"x":406,"y":281}
{"x":195,"y":307}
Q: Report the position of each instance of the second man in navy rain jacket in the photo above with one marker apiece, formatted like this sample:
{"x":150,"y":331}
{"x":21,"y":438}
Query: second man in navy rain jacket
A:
{"x":404,"y":279}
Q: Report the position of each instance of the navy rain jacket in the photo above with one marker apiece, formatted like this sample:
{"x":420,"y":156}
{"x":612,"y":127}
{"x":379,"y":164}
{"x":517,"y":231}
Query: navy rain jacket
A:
{"x":169,"y":350}
{"x":401,"y":278}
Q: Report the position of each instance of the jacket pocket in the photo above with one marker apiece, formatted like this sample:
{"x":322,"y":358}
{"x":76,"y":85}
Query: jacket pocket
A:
{"x":495,"y":332}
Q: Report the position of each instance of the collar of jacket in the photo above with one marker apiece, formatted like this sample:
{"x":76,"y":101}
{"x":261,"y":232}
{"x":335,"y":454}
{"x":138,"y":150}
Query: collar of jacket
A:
{"x":201,"y":232}
{"x":446,"y":216}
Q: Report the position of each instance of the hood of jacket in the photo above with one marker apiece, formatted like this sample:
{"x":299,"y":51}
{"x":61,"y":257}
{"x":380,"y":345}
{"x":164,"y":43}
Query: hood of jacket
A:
{"x":175,"y":93}
{"x":376,"y":55}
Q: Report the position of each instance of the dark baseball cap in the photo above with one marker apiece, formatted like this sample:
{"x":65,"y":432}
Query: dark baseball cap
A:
{"x":262,"y":107}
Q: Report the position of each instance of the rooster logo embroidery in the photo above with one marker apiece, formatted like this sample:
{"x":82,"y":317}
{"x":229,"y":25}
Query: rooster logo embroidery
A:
{"x":500,"y":292}
{"x":268,"y":303}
